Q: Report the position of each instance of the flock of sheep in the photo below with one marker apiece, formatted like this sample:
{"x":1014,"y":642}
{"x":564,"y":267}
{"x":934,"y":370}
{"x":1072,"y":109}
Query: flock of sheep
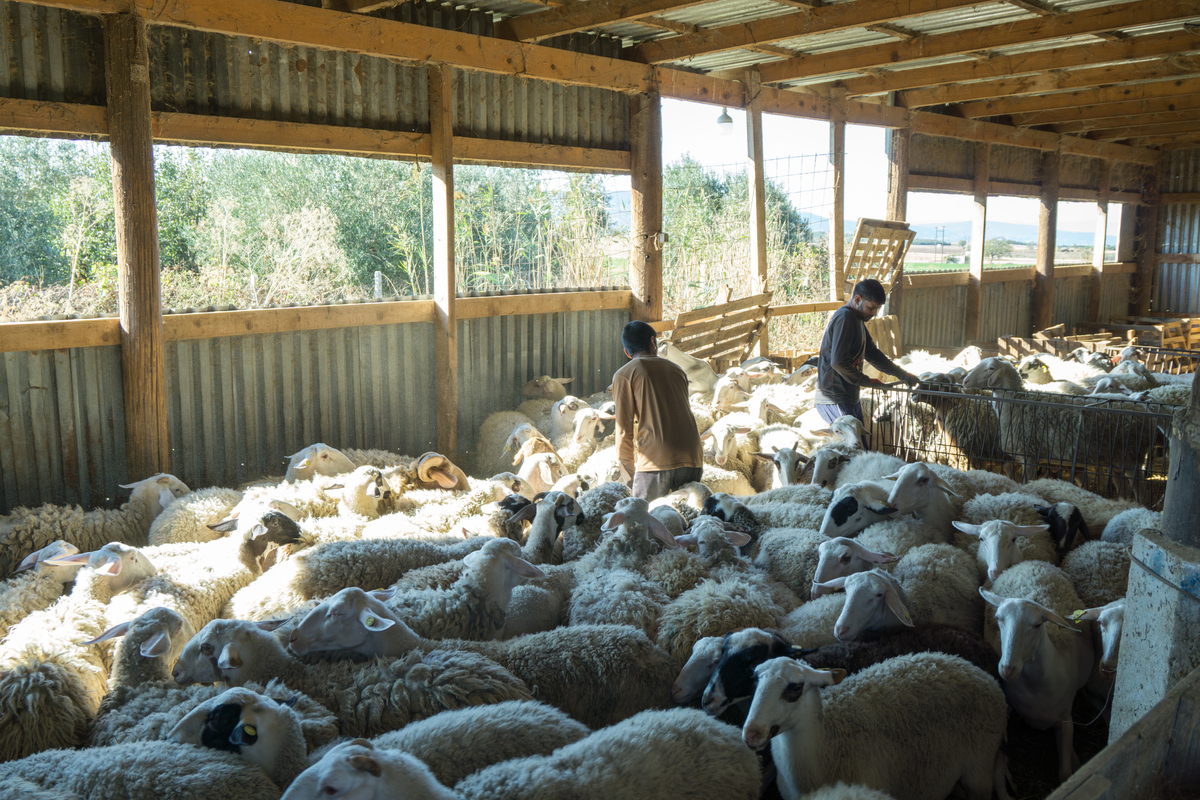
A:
{"x":373,"y":625}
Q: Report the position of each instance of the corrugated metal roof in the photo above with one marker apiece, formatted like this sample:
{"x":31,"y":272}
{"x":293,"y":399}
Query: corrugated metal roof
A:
{"x":960,"y":19}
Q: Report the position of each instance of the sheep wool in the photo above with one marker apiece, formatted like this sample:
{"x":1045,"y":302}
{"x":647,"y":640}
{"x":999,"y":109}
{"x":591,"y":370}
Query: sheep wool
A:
{"x":188,"y":518}
{"x":1123,"y":526}
{"x":715,"y":608}
{"x":1099,"y":571}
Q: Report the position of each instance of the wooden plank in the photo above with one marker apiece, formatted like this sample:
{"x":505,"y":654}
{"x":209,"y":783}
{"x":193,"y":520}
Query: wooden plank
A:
{"x":803,"y":308}
{"x":523,"y":304}
{"x":1100,"y":99}
{"x":59,"y":334}
{"x":708,"y":312}
{"x":1177,"y":258}
{"x":441,"y":114}
{"x":1177,"y":198}
{"x":583,"y":16}
{"x":972,"y":314}
{"x":1146,"y":244}
{"x":39,"y":463}
{"x":68,"y":426}
{"x":1099,"y":242}
{"x":820,"y":19}
{"x":1007,"y":275}
{"x":135,"y":213}
{"x":1189,"y":127}
{"x":683,"y":334}
{"x":1043,"y":285}
{"x":897,"y":200}
{"x":468,"y":150}
{"x":921,"y":280}
{"x":646,"y":213}
{"x":213,"y":324}
{"x":735,"y":332}
{"x":943,"y":185}
{"x":1021,"y":32}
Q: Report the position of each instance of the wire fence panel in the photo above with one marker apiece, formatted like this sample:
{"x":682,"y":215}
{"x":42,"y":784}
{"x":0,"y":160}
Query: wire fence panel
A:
{"x":1113,"y":448}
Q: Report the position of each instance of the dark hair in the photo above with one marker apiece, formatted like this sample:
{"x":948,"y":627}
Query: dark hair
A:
{"x":636,"y":337}
{"x":870,"y":289}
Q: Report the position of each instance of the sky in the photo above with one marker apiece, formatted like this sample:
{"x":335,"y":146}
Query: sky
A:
{"x":692,"y":128}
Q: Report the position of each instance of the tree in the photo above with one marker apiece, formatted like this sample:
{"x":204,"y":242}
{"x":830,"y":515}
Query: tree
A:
{"x":997,"y":248}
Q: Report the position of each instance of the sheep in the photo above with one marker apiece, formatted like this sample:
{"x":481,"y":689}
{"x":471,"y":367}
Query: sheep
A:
{"x":932,"y":584}
{"x":26,"y":530}
{"x":594,"y":504}
{"x":454,"y":744}
{"x":913,"y":726}
{"x":562,"y":416}
{"x":1042,"y":668}
{"x":970,"y":430}
{"x":1019,"y":508}
{"x":1099,"y":571}
{"x":188,"y":518}
{"x":144,"y":771}
{"x":1002,"y":544}
{"x":549,"y":516}
{"x":633,"y":529}
{"x":921,"y":491}
{"x":655,"y":754}
{"x":1109,"y":621}
{"x":725,"y":393}
{"x":812,"y":624}
{"x":826,"y":462}
{"x":575,"y":449}
{"x":369,"y":698}
{"x":729,"y":481}
{"x":317,"y":459}
{"x":799,"y":494}
{"x":496,"y":439}
{"x":853,"y":508}
{"x":790,"y":557}
{"x":599,"y":674}
{"x":841,"y":556}
{"x":867,"y":466}
{"x":35,"y":583}
{"x":725,"y":450}
{"x":428,"y":513}
{"x":1123,"y":526}
{"x":542,"y":471}
{"x":727,"y":509}
{"x":782,"y":450}
{"x":697,"y":670}
{"x":620,"y":597}
{"x":546,"y":387}
{"x":1096,"y":510}
{"x":701,"y":377}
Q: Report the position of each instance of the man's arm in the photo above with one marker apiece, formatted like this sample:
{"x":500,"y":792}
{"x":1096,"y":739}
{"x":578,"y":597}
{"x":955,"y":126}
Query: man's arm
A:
{"x":623,"y":396}
{"x":876,"y":358}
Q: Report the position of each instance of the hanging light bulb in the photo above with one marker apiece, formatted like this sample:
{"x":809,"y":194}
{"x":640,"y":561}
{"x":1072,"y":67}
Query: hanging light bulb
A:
{"x":725,"y":122}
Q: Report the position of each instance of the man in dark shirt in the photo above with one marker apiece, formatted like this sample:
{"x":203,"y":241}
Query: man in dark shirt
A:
{"x":653,"y":393}
{"x":844,"y":347}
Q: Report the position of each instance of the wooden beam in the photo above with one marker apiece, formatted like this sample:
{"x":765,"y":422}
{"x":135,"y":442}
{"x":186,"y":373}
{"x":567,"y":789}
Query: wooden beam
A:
{"x":441,"y":119}
{"x":469,"y":150}
{"x":979,"y":131}
{"x":583,"y":16}
{"x":943,"y":185}
{"x":549,"y":303}
{"x":972,"y":311}
{"x":1146,"y":244}
{"x":1093,"y":20}
{"x":803,"y":308}
{"x":1043,"y":286}
{"x":1110,"y":113}
{"x":217,"y":324}
{"x":1178,"y":258}
{"x":824,"y":19}
{"x":1100,"y":97}
{"x":16,"y":337}
{"x":1176,"y":198}
{"x":1099,"y":241}
{"x":899,"y":144}
{"x":1005,"y":67}
{"x":1166,"y":142}
{"x":127,"y":77}
{"x":1142,"y":126}
{"x":756,"y":175}
{"x":1059,"y":80}
{"x":837,"y":213}
{"x":1127,"y":235}
{"x":645,"y":228}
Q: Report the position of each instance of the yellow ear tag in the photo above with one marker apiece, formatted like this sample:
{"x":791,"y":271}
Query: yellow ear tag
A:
{"x":370,"y":621}
{"x":1077,"y":615}
{"x":249,"y":729}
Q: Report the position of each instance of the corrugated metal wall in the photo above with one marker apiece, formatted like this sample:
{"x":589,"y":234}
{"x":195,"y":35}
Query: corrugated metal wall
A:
{"x":1070,"y":301}
{"x":1177,"y":286}
{"x":50,"y":55}
{"x":238,"y":406}
{"x":497,"y":355}
{"x":1114,"y":299}
{"x":1006,"y":310}
{"x":933,"y":317}
{"x":62,"y":428}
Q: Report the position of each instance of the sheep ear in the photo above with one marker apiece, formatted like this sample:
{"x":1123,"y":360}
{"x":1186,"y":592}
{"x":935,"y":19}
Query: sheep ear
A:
{"x":763,"y":457}
{"x":271,"y":624}
{"x":165,"y":497}
{"x":365,"y":764}
{"x":945,"y":487}
{"x":224,"y":526}
{"x":27,"y":563}
{"x":373,"y":622}
{"x":876,"y":558}
{"x":526,"y":513}
{"x":544,"y":468}
{"x":443,"y":479}
{"x":838,"y":675}
{"x":882,"y":511}
{"x":708,"y":434}
{"x":822,"y":432}
{"x":564,"y":381}
{"x":660,"y":530}
{"x":736,"y":538}
{"x":892,"y":598}
{"x":156,"y":645}
{"x":111,"y":633}
{"x":112,"y":567}
{"x":525,"y":569}
{"x":688,"y":540}
{"x":68,"y":561}
{"x":1030,"y":530}
{"x":895,"y":476}
{"x":383,"y":594}
{"x":991,"y":598}
{"x":742,"y":429}
{"x":613,"y":521}
{"x":230,"y":658}
{"x":967,"y":528}
{"x":833,"y":583}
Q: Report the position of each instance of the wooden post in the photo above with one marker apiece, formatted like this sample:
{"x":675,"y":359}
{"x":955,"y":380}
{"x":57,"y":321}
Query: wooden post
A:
{"x":1043,"y":282}
{"x":837,"y":216}
{"x":1146,"y":245}
{"x":898,"y":200}
{"x":974,"y":305}
{"x":441,"y":97}
{"x":758,"y":196}
{"x":645,"y":247}
{"x":1096,"y":282}
{"x":127,"y":76}
{"x":1127,"y":234}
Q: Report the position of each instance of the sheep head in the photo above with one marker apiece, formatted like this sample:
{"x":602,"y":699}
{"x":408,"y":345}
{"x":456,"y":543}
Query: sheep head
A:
{"x":157,"y":491}
{"x":993,"y":373}
{"x":546,"y":386}
{"x":435,"y":471}
{"x":317,"y":459}
{"x":121,"y":565}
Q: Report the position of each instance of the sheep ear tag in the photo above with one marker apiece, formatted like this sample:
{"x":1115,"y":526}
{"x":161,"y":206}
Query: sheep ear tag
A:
{"x":897,"y":606}
{"x":230,"y":657}
{"x":111,"y":633}
{"x":660,"y":530}
{"x":243,"y":734}
{"x":156,"y":645}
{"x":443,"y":479}
{"x":373,"y":622}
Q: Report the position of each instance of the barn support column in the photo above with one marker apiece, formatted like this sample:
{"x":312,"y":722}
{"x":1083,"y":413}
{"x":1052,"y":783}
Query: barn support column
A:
{"x":974,"y":305}
{"x":1043,"y":282}
{"x":897,"y":202}
{"x":1146,"y":245}
{"x":127,"y":77}
{"x":646,"y":245}
{"x":441,"y":97}
{"x":758,"y":196}
{"x":1096,"y":282}
{"x":837,"y":216}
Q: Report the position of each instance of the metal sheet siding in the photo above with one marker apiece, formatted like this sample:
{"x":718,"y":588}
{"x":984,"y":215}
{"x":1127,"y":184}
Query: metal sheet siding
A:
{"x":1177,"y":286}
{"x":238,"y":406}
{"x":498,"y":355}
{"x":1114,"y":300}
{"x":50,"y":55}
{"x":1006,"y":310}
{"x":933,"y":317}
{"x":1070,"y":301}
{"x":62,"y":428}
{"x":941,"y":156}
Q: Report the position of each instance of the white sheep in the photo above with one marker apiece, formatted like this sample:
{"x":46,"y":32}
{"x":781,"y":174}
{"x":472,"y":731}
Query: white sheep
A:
{"x":317,"y":459}
{"x":188,"y":518}
{"x":547,"y":387}
{"x":914,"y":726}
{"x":701,"y":377}
{"x":1099,"y":571}
{"x":853,"y":508}
{"x":920,"y":491}
{"x":1043,"y":666}
{"x":562,"y":416}
{"x":1121,"y":527}
{"x":542,"y":471}
{"x":867,"y":466}
{"x":598,"y":674}
{"x":575,"y":448}
{"x":1019,"y":508}
{"x":496,"y":441}
{"x":1003,"y":543}
{"x":655,"y":754}
{"x":35,"y":583}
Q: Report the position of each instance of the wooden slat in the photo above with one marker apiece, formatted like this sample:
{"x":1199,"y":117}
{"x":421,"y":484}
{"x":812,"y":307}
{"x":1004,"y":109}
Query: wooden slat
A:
{"x":943,"y":185}
{"x":59,"y":335}
{"x":1140,"y":124}
{"x":1175,"y":198}
{"x":684,"y":334}
{"x":1092,"y":20}
{"x":211,"y":325}
{"x":732,"y":333}
{"x":468,"y":150}
{"x":803,"y":308}
{"x":1177,"y":258}
{"x":1192,"y":126}
{"x":919,"y":280}
{"x":708,"y":312}
{"x":1106,"y":98}
{"x":476,"y":307}
{"x":583,"y":16}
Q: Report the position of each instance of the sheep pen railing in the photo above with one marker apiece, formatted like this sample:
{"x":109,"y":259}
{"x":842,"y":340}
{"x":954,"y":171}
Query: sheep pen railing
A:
{"x":1110,"y":447}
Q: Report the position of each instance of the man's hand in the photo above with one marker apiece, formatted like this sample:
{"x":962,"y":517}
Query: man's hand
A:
{"x":911,"y":380}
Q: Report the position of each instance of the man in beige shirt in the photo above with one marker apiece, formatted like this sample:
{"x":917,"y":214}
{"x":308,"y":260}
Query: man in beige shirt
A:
{"x":653,"y":393}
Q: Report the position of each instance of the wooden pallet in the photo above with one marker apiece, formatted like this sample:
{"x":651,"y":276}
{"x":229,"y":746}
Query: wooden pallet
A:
{"x":877,"y":251}
{"x":1060,"y":346}
{"x":1190,"y":326}
{"x":1165,"y":333}
{"x":726,"y":332}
